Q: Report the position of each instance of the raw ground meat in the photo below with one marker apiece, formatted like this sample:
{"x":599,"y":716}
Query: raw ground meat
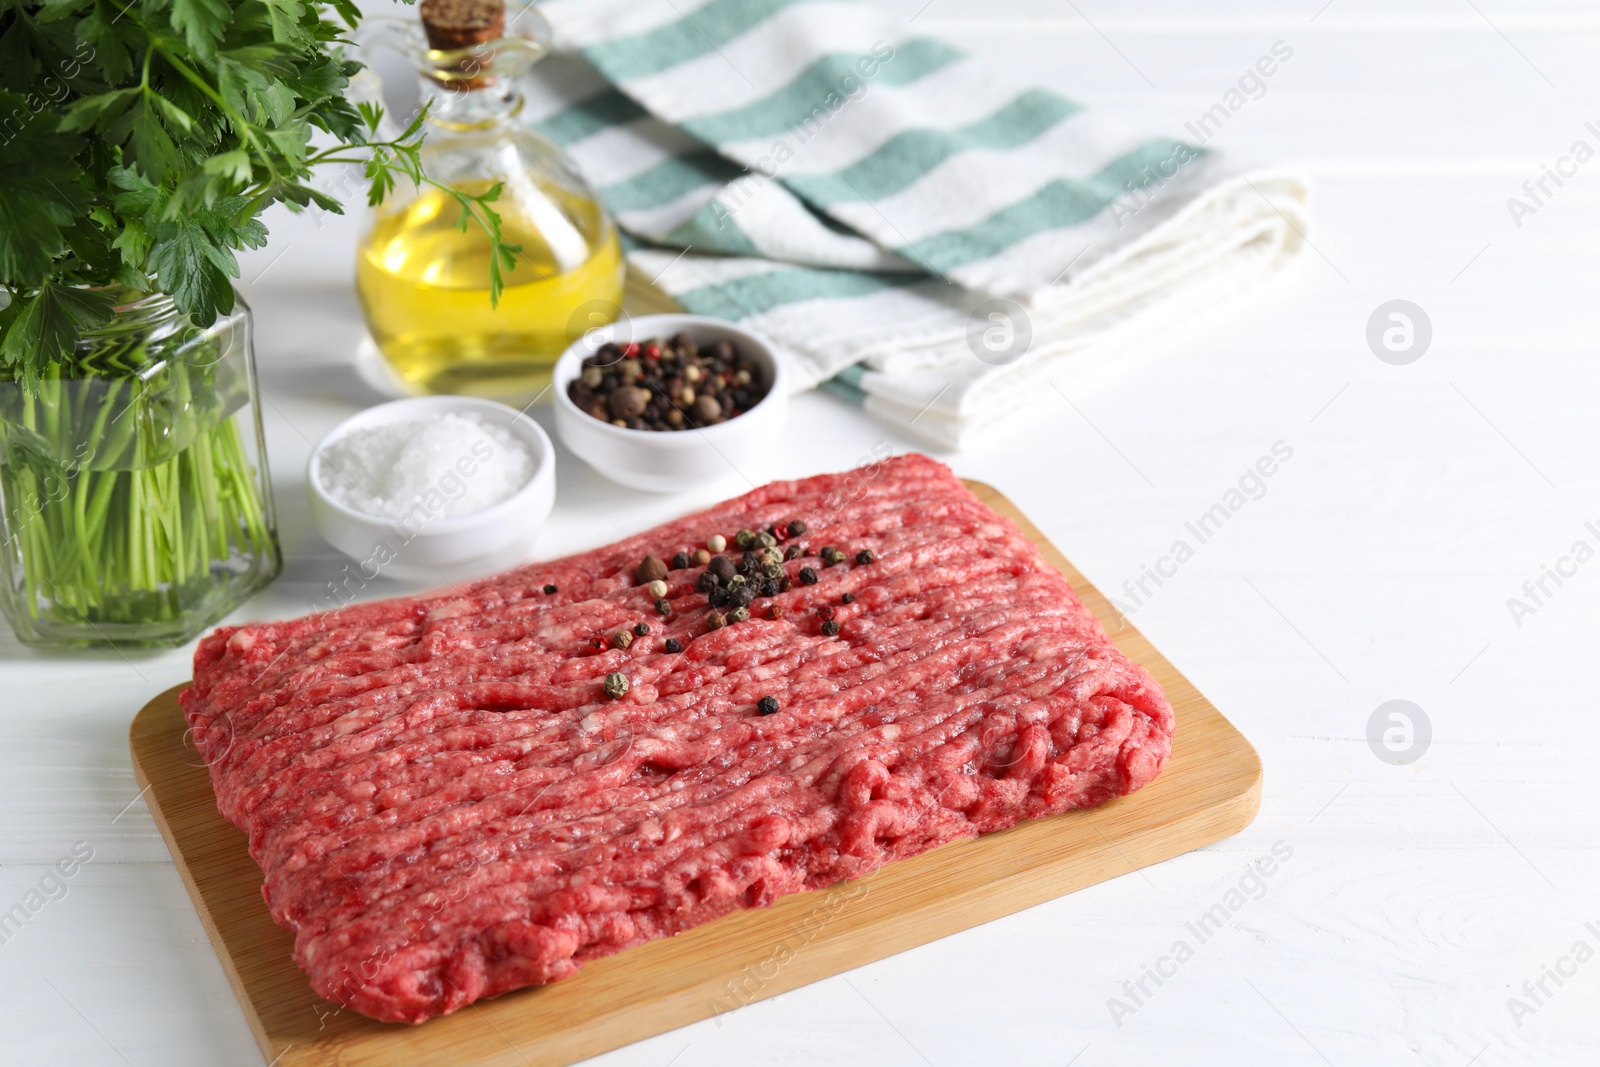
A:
{"x":447,"y":806}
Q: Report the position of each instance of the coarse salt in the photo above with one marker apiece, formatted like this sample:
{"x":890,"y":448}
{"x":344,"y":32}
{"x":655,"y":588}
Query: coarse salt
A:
{"x":452,"y":465}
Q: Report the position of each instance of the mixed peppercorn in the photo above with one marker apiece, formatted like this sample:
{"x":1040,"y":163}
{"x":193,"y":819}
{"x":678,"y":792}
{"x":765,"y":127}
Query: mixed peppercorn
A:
{"x":731,"y":585}
{"x":667,"y":384}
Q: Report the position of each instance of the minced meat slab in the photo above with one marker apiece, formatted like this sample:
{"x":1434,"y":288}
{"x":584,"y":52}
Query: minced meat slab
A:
{"x":447,"y":805}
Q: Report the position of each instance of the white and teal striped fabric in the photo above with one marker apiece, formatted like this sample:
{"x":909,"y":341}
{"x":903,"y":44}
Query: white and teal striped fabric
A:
{"x":913,"y":230}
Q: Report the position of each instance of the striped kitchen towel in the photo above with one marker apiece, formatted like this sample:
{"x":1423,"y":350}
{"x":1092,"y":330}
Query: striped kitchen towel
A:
{"x":913,"y":230}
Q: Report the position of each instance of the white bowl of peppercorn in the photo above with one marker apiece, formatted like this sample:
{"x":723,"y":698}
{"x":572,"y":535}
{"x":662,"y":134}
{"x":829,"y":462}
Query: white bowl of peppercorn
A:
{"x":669,"y":402}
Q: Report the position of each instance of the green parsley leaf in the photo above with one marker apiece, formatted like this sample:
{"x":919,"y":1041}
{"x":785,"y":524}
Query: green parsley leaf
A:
{"x":191,"y":268}
{"x":202,"y":23}
{"x":46,"y":324}
{"x":40,"y":194}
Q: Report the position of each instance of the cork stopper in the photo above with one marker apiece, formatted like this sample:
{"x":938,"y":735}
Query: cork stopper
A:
{"x":456,"y":24}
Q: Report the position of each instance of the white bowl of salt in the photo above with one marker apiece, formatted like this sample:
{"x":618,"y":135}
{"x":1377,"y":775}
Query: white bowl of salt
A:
{"x":419,"y":486}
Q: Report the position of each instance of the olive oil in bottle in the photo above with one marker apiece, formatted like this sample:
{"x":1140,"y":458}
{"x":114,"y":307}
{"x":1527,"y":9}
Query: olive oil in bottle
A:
{"x":424,"y":285}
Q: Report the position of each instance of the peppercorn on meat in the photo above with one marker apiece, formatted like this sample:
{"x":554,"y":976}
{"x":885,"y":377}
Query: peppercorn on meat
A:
{"x":460,"y":794}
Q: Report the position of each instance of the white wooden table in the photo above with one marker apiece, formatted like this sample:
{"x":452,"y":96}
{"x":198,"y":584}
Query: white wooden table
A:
{"x":1376,"y":566}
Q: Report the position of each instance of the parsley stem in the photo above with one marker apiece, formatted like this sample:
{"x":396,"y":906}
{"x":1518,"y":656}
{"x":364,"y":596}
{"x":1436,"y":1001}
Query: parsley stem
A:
{"x":162,"y":511}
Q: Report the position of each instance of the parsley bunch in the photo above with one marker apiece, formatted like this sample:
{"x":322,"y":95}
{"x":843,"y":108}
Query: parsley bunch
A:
{"x":140,"y":141}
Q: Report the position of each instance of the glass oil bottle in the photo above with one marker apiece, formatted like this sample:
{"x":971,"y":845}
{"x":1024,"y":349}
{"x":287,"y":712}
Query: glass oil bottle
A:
{"x":423,"y":271}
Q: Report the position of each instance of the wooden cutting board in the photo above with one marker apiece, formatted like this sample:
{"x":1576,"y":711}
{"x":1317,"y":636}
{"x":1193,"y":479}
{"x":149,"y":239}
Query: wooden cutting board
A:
{"x":1210,"y":789}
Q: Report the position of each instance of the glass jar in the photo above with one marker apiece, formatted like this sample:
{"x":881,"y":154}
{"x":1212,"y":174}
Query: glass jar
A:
{"x":135,"y":505}
{"x":424,"y":267}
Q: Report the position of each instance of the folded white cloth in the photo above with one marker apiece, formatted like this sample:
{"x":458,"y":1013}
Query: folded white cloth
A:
{"x":912,"y":230}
